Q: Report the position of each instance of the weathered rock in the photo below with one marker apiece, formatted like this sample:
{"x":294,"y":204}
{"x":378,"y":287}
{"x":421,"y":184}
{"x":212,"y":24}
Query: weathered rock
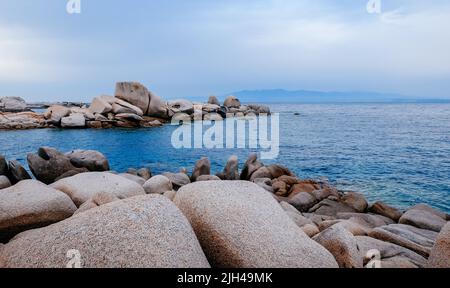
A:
{"x":181,"y":106}
{"x":49,"y":164}
{"x":210,"y":108}
{"x":208,"y":178}
{"x":311,"y":230}
{"x":144,"y":173}
{"x":22,"y":120}
{"x":3,"y":165}
{"x":12,"y":104}
{"x":158,"y":185}
{"x":90,"y":159}
{"x":356,"y":226}
{"x":251,"y":165}
{"x":260,"y":109}
{"x":295,"y":215}
{"x":302,"y":201}
{"x":157,"y":107}
{"x":262,"y":172}
{"x":99,"y":199}
{"x":324,"y":193}
{"x":386,"y":210}
{"x":372,"y":219}
{"x":31,"y":204}
{"x":232,"y":102}
{"x":355,"y":200}
{"x":100,"y":105}
{"x":277,"y":171}
{"x":440,"y":254}
{"x":388,"y":251}
{"x":264,"y":183}
{"x":139,"y":180}
{"x":140,"y":232}
{"x":202,"y":167}
{"x":343,"y":245}
{"x":128,"y":117}
{"x":212,"y":117}
{"x":133,"y":93}
{"x":308,"y":186}
{"x":94,"y":124}
{"x":317,"y":219}
{"x":178,"y":179}
{"x":418,"y":240}
{"x":16,"y":172}
{"x":330,"y":208}
{"x":75,"y":120}
{"x":425,"y":207}
{"x":213,"y":100}
{"x":231,"y":171}
{"x":423,"y":219}
{"x":56,"y":112}
{"x":83,"y":187}
{"x":256,"y":231}
{"x":4,"y":182}
{"x":170,"y":194}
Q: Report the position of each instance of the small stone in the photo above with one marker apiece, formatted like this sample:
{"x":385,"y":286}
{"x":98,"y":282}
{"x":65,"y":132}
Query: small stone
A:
{"x":158,"y":185}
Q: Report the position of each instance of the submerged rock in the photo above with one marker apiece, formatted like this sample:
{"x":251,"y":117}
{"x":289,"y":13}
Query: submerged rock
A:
{"x":240,"y":225}
{"x":140,"y":232}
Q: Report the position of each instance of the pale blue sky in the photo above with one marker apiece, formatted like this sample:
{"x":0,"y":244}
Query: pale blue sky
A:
{"x":183,"y":48}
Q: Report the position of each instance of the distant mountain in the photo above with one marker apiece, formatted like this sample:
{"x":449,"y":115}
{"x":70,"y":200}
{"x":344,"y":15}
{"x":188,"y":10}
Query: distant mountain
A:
{"x":305,"y":96}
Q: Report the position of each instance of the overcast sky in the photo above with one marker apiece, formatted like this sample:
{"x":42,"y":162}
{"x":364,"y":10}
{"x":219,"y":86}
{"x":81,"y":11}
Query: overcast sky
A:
{"x":183,"y":48}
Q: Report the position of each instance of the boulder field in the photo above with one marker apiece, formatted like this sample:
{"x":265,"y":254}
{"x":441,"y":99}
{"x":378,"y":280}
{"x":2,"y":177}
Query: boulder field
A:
{"x":258,"y":217}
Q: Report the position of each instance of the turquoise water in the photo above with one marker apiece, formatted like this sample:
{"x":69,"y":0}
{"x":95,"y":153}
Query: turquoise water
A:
{"x":398,"y":153}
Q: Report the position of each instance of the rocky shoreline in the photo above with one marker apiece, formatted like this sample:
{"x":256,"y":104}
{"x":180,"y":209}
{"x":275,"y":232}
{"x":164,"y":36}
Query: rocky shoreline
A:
{"x":260,"y":216}
{"x":132,"y":106}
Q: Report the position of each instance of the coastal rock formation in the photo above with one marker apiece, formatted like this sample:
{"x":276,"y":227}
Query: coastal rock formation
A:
{"x":208,"y":178}
{"x":133,"y":93}
{"x":232,"y":102}
{"x":12,"y":104}
{"x":4,"y":182}
{"x":89,"y":159}
{"x":55,"y":113}
{"x":75,"y":120}
{"x":386,"y":210}
{"x":49,"y":164}
{"x":181,"y":106}
{"x":270,"y":239}
{"x":231,"y":171}
{"x":178,"y":179}
{"x":264,"y":183}
{"x":355,"y":200}
{"x":158,"y":185}
{"x":202,"y":167}
{"x":139,"y":180}
{"x":157,"y":107}
{"x":22,"y":120}
{"x":16,"y":172}
{"x":82,"y":187}
{"x":31,"y":204}
{"x":330,"y":208}
{"x":251,"y":165}
{"x":145,"y":231}
{"x":213,"y":100}
{"x":99,"y":199}
{"x":440,"y":254}
{"x":3,"y":165}
{"x":343,"y":245}
{"x":302,"y":201}
{"x":423,"y":219}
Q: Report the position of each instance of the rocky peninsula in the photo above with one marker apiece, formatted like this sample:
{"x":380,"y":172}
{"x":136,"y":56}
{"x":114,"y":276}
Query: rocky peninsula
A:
{"x":257,"y":216}
{"x":132,"y":106}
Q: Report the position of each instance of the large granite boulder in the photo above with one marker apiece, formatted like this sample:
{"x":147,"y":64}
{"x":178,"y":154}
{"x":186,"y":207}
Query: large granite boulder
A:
{"x":158,"y":184}
{"x":12,"y":104}
{"x":343,"y":245}
{"x":232,"y":102}
{"x":89,"y":159}
{"x":157,"y":107}
{"x":55,"y":113}
{"x":181,"y":106}
{"x":140,"y":232}
{"x":440,"y":254}
{"x":202,"y":167}
{"x":302,"y":201}
{"x":231,"y":170}
{"x":356,"y":200}
{"x":100,"y":105}
{"x":391,"y":255}
{"x":423,"y":219}
{"x":418,"y":240}
{"x":49,"y":164}
{"x":386,"y":210}
{"x":133,"y":93}
{"x":240,"y":225}
{"x":84,"y":186}
{"x":31,"y":204}
{"x":4,"y":182}
{"x":17,"y":172}
{"x":75,"y":120}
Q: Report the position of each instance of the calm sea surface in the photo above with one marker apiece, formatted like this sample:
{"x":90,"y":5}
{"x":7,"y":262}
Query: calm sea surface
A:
{"x":398,"y":153}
